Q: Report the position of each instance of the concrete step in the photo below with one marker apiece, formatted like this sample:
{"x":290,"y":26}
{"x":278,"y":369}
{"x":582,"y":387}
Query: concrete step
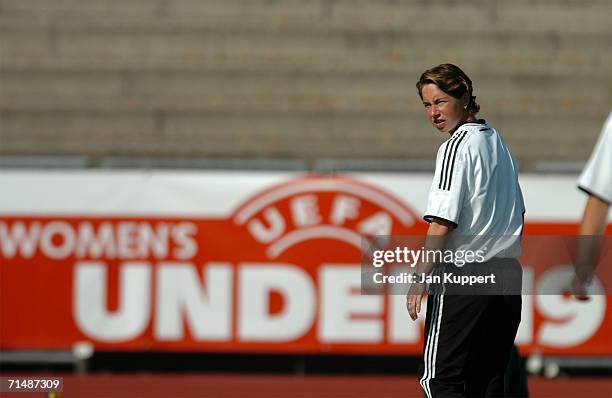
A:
{"x":501,"y":54}
{"x":284,"y":93}
{"x":67,"y":133}
{"x":65,"y":10}
{"x":304,"y":136}
{"x":566,"y":137}
{"x":287,"y":12}
{"x":207,"y":135}
{"x":572,"y":16}
{"x":591,"y":18}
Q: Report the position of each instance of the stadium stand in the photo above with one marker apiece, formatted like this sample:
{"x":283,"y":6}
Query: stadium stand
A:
{"x":294,"y":80}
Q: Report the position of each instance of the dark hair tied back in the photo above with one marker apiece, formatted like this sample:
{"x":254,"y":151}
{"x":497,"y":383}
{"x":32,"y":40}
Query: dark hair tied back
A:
{"x":452,"y":80}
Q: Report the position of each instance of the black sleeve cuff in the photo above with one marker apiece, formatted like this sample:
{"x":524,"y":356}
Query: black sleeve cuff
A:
{"x":589,"y":192}
{"x":429,"y":218}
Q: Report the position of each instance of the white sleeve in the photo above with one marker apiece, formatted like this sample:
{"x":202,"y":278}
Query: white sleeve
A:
{"x":596,"y":178}
{"x":448,"y":188}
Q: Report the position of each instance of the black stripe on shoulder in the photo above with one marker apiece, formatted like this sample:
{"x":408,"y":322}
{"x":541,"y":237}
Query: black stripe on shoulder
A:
{"x":451,"y":158}
{"x":446,"y":159}
{"x":486,"y":129}
{"x":443,"y":163}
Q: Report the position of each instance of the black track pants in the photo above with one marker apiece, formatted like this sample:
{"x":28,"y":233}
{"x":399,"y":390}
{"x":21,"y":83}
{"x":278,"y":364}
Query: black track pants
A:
{"x":468,"y":340}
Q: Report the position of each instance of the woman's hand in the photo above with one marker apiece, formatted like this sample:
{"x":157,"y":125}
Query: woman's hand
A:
{"x":414,"y":298}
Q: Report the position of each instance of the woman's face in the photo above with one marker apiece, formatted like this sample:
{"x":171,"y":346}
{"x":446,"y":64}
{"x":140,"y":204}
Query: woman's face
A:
{"x":444,"y":111}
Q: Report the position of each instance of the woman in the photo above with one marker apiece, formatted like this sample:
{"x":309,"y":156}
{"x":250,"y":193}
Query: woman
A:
{"x":475,"y":192}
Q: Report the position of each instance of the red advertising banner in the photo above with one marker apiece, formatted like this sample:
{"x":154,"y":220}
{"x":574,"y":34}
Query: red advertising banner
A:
{"x":279,"y":272}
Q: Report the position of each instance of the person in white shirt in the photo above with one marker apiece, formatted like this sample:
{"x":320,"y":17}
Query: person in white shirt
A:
{"x":475,"y":193}
{"x":596,"y":181}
